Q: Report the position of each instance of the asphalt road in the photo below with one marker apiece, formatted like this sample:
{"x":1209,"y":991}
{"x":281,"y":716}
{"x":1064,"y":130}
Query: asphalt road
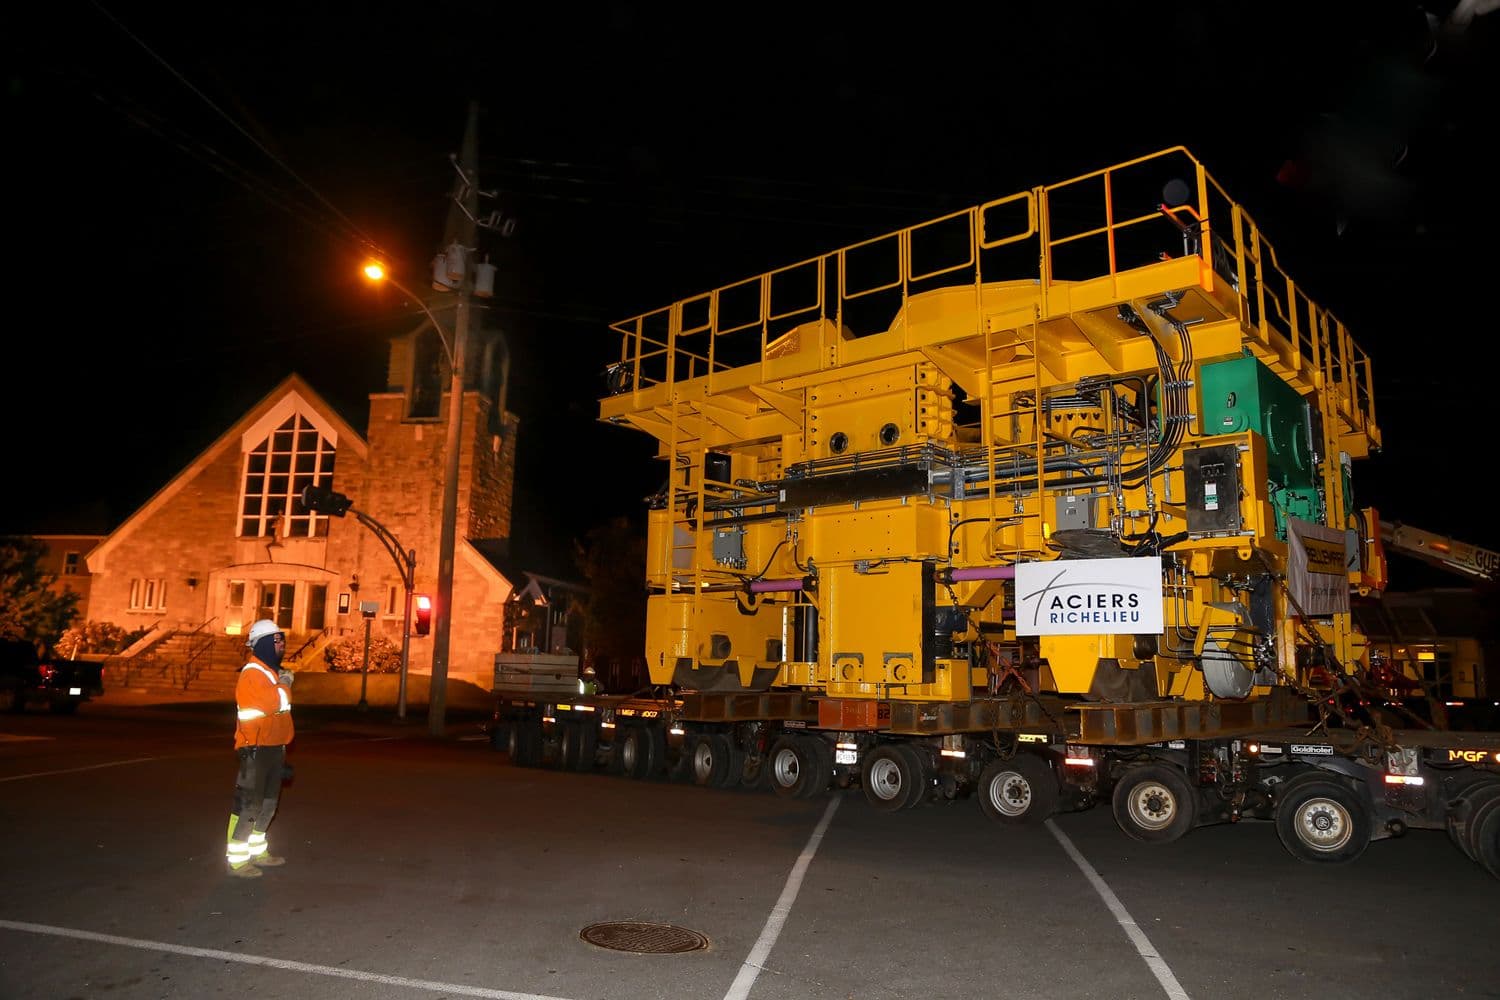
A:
{"x":423,"y":868}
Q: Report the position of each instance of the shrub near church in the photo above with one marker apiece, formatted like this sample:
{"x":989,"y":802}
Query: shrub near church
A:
{"x":347,"y":655}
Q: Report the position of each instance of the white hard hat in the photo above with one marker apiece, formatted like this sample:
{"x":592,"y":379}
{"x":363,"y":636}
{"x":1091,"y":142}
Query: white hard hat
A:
{"x":260,"y":630}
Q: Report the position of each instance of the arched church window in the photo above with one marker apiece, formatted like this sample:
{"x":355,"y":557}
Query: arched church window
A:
{"x":293,"y":456}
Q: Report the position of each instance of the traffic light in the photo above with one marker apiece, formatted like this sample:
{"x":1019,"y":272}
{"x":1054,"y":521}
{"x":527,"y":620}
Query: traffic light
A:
{"x":424,"y":614}
{"x":325,"y":501}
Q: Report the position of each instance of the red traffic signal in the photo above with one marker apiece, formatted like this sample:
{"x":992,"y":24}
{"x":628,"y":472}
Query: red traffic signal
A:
{"x":424,"y":614}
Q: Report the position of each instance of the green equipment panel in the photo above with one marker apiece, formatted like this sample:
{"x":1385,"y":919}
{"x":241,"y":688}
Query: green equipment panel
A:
{"x":1244,"y":395}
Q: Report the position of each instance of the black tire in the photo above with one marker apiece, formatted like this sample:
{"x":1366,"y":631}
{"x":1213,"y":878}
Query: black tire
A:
{"x":736,"y":771}
{"x":641,"y":752}
{"x":795,"y":764}
{"x":588,"y":746}
{"x":786,"y":766}
{"x":1484,"y":836}
{"x":499,"y":736}
{"x":1322,"y":821}
{"x":1153,"y":803}
{"x":820,"y":754}
{"x":755,"y":772}
{"x":1020,"y":792}
{"x":712,"y":760}
{"x":679,"y":763}
{"x":886,"y":777}
{"x":570,"y":746}
{"x":1461,"y":815}
{"x":922,"y":775}
{"x":526,"y":742}
{"x":894,"y":777}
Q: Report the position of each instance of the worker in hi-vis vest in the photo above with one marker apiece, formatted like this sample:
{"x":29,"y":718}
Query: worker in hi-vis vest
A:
{"x":263,"y":728}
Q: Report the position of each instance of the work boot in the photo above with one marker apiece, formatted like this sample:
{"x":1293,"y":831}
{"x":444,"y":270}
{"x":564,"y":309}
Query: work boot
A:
{"x":246,"y":870}
{"x":268,"y":861}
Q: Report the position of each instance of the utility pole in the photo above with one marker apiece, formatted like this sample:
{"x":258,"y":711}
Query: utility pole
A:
{"x":461,"y":229}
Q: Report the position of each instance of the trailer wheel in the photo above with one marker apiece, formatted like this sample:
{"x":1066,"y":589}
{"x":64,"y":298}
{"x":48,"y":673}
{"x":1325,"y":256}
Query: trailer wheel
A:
{"x":525,"y":742}
{"x":796,"y":765}
{"x":735,"y":777}
{"x":922,"y":771}
{"x":641,"y":752}
{"x":1322,"y":821}
{"x":755,"y":771}
{"x":712,"y":760}
{"x":1461,"y":815}
{"x":1466,"y":824}
{"x":1484,"y":835}
{"x":892,"y":778}
{"x":1153,"y":803}
{"x":580,"y":743}
{"x":821,"y":773}
{"x":1019,"y":791}
{"x":566,"y":750}
{"x":786,"y":765}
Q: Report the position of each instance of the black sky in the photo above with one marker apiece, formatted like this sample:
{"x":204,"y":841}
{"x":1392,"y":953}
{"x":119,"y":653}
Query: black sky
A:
{"x":187,"y":190}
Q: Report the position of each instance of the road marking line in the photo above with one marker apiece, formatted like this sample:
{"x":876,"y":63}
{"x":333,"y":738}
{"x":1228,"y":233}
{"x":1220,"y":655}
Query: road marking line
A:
{"x":1143,"y":945}
{"x":17,"y":738}
{"x":740,"y":988}
{"x":274,"y":963}
{"x":74,"y":770}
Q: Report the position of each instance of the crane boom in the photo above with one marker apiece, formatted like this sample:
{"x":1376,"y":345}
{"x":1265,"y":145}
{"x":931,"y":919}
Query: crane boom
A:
{"x":1440,"y":550}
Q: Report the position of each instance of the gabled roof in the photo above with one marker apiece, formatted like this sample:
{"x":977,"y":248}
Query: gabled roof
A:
{"x":292,"y":392}
{"x":525,"y":576}
{"x":476,"y":558}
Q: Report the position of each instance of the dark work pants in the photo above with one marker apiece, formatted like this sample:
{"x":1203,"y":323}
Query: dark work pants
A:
{"x":257,"y":788}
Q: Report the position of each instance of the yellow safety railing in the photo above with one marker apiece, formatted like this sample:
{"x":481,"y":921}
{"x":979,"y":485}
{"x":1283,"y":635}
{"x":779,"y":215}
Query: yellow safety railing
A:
{"x":735,"y":326}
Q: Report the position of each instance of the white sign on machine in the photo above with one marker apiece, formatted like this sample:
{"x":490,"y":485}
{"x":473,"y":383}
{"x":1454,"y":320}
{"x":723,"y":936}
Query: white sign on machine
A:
{"x":1089,"y":597}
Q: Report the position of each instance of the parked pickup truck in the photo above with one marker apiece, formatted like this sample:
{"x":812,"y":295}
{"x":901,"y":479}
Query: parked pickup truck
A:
{"x":27,"y":677}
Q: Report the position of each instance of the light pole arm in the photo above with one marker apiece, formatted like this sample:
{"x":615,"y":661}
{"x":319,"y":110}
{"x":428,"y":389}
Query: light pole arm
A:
{"x":442,"y":337}
{"x":405,"y":562}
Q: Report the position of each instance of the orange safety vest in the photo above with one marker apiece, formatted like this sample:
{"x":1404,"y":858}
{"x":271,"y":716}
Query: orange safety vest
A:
{"x":263,"y":708}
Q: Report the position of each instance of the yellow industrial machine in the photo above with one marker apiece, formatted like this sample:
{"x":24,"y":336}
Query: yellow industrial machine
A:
{"x":1045,"y":501}
{"x":1088,"y":438}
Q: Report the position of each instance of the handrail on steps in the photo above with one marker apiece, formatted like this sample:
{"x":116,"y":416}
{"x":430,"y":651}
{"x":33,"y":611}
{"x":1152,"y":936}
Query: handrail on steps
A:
{"x":189,"y":671}
{"x":297,"y":656}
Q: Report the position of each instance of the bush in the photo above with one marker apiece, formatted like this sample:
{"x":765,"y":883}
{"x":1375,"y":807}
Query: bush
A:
{"x":96,"y":637}
{"x":347,"y":655}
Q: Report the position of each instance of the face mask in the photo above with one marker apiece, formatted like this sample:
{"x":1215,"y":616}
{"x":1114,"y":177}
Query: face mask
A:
{"x":268,"y":651}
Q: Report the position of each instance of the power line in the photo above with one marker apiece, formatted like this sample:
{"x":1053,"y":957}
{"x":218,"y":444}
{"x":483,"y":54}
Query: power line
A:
{"x":354,"y":229}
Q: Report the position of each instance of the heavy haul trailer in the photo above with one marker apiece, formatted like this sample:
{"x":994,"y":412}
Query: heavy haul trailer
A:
{"x":974,"y":506}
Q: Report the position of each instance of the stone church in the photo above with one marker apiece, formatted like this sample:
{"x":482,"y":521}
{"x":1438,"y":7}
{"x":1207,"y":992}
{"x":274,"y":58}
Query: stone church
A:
{"x":227,"y":541}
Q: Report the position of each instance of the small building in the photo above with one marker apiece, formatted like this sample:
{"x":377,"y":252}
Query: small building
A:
{"x":65,"y":558}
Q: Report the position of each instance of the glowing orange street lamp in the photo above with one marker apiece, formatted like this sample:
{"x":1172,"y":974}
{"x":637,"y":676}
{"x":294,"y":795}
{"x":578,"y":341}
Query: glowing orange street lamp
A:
{"x":454,"y":348}
{"x":375,"y":271}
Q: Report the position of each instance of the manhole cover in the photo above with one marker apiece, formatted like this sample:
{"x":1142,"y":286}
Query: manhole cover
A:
{"x":643,"y":939}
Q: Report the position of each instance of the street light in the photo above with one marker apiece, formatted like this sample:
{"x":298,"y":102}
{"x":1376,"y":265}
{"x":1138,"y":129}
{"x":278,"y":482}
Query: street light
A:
{"x":438,"y":685}
{"x":376,"y":271}
{"x":458,"y":274}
